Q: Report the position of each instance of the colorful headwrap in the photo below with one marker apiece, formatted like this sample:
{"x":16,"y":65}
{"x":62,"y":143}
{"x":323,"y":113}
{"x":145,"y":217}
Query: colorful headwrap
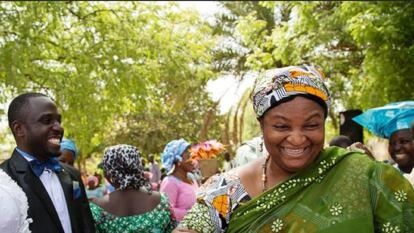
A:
{"x":277,"y":84}
{"x":384,"y":121}
{"x":173,"y":152}
{"x":123,"y":164}
{"x":67,"y":144}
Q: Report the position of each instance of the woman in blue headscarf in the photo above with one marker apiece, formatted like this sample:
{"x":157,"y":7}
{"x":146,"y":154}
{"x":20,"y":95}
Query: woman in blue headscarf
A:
{"x":180,"y":190}
{"x":393,"y":122}
{"x":68,"y":150}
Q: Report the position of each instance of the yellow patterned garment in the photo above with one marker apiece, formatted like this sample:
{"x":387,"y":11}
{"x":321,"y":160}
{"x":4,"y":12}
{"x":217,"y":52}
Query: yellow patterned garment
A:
{"x":341,"y":191}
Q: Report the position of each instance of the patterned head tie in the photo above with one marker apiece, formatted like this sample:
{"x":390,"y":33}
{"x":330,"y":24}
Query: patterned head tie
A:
{"x":124,"y":165}
{"x":173,"y":152}
{"x":277,"y":84}
{"x":384,"y":121}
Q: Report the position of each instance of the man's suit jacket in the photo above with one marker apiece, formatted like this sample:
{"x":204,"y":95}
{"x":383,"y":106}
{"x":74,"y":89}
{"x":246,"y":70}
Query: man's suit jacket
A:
{"x":41,"y":209}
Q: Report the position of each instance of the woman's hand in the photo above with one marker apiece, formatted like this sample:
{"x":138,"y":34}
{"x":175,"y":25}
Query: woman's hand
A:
{"x":364,"y":149}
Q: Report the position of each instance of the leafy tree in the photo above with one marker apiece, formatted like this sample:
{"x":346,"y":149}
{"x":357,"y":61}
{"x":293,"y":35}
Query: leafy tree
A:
{"x":110,"y":66}
{"x":365,"y":48}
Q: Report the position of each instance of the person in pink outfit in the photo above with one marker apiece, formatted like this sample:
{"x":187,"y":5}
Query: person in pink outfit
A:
{"x":180,"y":189}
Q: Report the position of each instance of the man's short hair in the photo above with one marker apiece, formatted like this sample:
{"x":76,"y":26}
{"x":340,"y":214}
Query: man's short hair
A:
{"x":18,"y":104}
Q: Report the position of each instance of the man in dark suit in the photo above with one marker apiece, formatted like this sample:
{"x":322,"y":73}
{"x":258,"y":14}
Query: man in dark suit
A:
{"x":55,"y":192}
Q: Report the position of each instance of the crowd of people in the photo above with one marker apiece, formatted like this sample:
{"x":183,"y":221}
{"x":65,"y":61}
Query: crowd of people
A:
{"x":285,"y":180}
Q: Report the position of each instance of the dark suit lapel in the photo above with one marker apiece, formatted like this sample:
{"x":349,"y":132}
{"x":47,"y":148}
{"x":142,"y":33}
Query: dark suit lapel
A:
{"x":67,"y":186}
{"x":36,"y":185}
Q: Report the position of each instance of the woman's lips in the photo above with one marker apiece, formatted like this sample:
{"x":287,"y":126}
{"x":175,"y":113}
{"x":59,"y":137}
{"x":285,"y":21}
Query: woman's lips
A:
{"x":295,"y":152}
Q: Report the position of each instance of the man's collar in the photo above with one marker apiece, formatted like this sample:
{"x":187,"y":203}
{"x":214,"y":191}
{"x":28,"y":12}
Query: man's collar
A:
{"x":38,"y":166}
{"x":25,"y":155}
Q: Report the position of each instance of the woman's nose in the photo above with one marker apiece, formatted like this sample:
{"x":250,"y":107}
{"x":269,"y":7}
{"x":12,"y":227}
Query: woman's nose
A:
{"x":296,"y":138}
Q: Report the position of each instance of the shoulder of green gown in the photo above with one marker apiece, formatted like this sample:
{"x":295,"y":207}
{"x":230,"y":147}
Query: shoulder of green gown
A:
{"x":377,"y":170}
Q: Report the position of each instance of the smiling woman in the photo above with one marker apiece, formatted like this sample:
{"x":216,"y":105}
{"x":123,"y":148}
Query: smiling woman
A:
{"x":295,"y":132}
{"x":311,"y":189}
{"x":393,"y":122}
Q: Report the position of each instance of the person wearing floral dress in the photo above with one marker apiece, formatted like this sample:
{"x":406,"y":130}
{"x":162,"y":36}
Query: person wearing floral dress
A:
{"x":301,"y":186}
{"x":132,"y":207}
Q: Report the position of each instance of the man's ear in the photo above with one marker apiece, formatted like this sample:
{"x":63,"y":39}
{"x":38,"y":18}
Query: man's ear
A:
{"x":18,"y":128}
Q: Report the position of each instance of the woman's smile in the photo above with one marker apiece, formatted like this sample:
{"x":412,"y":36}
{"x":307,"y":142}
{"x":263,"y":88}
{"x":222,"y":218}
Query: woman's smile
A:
{"x":295,"y":153}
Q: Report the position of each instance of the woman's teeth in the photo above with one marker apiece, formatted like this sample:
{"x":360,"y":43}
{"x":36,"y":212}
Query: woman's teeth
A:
{"x":294,"y":152}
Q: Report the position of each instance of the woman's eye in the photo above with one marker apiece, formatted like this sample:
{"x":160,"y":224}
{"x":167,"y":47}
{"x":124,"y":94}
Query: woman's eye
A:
{"x":312,"y":126}
{"x":280,"y":126}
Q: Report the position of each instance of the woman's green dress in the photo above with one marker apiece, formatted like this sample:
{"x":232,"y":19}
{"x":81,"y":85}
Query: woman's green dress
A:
{"x":340,"y":192}
{"x":158,"y":220}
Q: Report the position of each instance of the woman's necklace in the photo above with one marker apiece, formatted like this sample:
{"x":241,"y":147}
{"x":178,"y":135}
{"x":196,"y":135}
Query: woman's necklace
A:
{"x":264,"y":176}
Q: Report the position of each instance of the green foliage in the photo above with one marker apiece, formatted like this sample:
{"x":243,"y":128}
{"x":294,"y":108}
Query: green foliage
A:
{"x":110,"y":66}
{"x":135,"y":72}
{"x":366,"y":49}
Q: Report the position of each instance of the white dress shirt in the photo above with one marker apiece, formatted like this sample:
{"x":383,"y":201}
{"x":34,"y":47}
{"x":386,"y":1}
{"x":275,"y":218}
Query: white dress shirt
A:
{"x":53,"y":187}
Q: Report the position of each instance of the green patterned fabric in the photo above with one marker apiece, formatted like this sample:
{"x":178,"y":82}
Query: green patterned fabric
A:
{"x":341,"y":191}
{"x":156,"y":221}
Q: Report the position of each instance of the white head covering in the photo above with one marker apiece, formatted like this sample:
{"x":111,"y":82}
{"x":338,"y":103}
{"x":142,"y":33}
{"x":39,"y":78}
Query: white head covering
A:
{"x":13,"y":201}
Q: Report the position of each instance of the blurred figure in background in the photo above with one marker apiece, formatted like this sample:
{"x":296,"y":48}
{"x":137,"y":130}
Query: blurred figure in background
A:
{"x":180,"y":189}
{"x":163,"y":173}
{"x":94,"y":190}
{"x":340,"y":141}
{"x":154,"y":168}
{"x":227,"y":163}
{"x":69,"y":152}
{"x":345,"y":142}
{"x":249,"y":151}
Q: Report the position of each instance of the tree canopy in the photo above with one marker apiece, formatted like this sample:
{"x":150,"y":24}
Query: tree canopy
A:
{"x":366,"y":49}
{"x":135,"y":72}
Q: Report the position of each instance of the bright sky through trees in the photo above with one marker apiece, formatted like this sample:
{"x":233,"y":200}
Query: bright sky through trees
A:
{"x":227,"y":88}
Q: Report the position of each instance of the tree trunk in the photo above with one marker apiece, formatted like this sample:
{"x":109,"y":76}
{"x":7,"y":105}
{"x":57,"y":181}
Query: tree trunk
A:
{"x":235,"y":135}
{"x":208,"y":118}
{"x":226,"y":132}
{"x":334,"y":118}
